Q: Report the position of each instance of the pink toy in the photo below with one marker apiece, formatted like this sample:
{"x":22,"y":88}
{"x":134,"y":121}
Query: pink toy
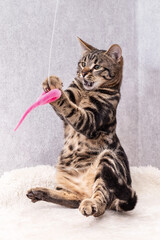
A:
{"x":45,"y":98}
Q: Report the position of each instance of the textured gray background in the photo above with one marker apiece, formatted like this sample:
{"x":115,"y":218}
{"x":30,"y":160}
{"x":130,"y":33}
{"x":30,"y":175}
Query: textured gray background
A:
{"x":25,"y":34}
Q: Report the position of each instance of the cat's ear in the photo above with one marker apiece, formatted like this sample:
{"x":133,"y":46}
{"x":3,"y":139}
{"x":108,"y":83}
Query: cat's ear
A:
{"x":115,"y":52}
{"x":85,"y":46}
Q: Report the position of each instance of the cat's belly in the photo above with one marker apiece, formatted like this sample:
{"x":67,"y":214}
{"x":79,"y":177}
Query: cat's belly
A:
{"x":76,"y":180}
{"x":79,"y":151}
{"x":76,"y":169}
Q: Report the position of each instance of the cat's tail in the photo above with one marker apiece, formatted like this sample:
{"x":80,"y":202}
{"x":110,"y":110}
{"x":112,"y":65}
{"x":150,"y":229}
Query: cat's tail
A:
{"x":125,"y":203}
{"x":129,"y":204}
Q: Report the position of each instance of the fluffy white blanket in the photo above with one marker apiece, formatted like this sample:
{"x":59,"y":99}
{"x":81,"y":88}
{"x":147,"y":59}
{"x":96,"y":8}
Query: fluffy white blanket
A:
{"x":22,"y":220}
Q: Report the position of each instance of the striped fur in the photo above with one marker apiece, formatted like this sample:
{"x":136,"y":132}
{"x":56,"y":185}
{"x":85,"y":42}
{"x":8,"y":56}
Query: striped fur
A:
{"x":92,"y":171}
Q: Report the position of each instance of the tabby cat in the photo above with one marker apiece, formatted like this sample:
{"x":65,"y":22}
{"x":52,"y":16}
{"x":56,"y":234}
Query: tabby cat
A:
{"x":92,"y":171}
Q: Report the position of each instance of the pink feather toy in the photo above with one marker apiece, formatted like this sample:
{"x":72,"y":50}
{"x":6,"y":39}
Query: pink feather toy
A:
{"x":44,"y":98}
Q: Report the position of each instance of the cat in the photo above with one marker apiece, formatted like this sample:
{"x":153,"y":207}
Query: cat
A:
{"x":93,"y":172}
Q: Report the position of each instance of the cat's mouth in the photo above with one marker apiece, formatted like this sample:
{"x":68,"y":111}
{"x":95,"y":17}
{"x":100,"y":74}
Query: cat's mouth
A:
{"x":88,"y":85}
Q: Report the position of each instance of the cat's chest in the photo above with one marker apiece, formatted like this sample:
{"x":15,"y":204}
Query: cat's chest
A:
{"x":85,"y":100}
{"x":88,"y":96}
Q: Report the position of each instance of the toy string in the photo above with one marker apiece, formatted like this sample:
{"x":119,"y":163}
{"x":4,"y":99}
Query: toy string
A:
{"x":53,"y":94}
{"x":53,"y":31}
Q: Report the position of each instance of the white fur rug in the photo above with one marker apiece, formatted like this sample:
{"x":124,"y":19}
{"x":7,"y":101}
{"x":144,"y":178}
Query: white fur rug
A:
{"x":22,"y":220}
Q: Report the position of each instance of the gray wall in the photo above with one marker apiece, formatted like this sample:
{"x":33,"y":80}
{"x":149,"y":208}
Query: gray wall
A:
{"x":25,"y":34}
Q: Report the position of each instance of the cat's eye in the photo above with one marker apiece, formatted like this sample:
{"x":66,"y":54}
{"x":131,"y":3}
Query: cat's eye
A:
{"x":83,"y":64}
{"x":97,"y":67}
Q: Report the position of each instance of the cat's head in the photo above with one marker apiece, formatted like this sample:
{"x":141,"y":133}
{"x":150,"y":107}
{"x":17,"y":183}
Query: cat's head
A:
{"x":100,"y":68}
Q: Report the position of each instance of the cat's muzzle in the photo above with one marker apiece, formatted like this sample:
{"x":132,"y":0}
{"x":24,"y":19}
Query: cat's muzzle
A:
{"x":88,"y":84}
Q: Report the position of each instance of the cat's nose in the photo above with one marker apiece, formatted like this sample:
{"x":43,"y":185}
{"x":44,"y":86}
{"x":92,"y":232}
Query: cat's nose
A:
{"x":85,"y":71}
{"x":84,"y":74}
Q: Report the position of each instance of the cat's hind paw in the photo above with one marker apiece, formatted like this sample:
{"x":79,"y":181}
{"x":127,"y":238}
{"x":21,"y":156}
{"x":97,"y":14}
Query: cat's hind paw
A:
{"x":37,"y":194}
{"x":88,"y":207}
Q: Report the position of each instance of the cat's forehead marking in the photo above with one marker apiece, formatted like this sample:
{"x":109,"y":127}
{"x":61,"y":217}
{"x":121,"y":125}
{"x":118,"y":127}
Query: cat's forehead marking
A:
{"x":95,"y":56}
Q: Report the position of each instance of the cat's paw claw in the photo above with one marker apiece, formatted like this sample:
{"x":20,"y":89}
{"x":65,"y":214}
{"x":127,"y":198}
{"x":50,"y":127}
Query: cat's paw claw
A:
{"x":45,"y":86}
{"x":46,"y":89}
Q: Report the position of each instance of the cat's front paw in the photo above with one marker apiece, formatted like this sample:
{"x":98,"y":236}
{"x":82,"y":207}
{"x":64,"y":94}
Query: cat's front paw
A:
{"x":88,"y":207}
{"x":54,"y":82}
{"x":46,"y":86}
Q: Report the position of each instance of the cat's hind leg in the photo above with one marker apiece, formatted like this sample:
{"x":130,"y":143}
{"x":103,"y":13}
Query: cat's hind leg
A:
{"x":114,"y":174}
{"x":96,"y":205}
{"x":61,"y":196}
{"x":110,"y":189}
